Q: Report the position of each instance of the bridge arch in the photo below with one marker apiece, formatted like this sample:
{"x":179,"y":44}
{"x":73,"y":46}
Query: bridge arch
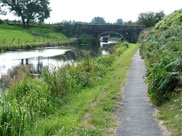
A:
{"x":111,"y":32}
{"x":129,"y":33}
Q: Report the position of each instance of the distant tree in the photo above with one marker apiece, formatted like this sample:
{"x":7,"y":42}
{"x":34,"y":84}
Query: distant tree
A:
{"x":28,"y":10}
{"x":128,"y":22}
{"x":149,"y":19}
{"x":0,"y":9}
{"x":159,"y":16}
{"x":119,"y":21}
{"x":3,"y":12}
{"x":72,"y":22}
{"x":98,"y":20}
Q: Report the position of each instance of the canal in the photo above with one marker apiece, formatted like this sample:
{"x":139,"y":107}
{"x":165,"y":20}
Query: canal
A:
{"x":15,"y":63}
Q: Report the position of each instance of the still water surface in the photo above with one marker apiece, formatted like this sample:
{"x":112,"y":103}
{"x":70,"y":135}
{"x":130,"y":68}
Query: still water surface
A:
{"x":37,"y":58}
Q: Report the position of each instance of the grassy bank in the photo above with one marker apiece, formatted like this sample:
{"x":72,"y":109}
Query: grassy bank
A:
{"x":92,"y":111}
{"x":11,"y":35}
{"x":162,"y":48}
{"x":171,"y":113}
{"x":75,"y":100}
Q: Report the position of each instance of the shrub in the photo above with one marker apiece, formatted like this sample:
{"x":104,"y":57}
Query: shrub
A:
{"x":161,"y":48}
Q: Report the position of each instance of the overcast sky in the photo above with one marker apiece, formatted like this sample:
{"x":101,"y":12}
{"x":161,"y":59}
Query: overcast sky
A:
{"x":110,"y":10}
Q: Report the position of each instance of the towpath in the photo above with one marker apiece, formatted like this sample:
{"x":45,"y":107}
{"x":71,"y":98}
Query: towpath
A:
{"x":137,"y":116}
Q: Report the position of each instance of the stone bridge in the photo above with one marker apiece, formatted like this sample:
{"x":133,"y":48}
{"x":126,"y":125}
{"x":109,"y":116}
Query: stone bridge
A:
{"x":128,"y":33}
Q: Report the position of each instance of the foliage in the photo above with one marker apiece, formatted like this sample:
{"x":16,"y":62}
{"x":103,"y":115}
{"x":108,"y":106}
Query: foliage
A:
{"x":67,"y":29}
{"x":33,"y":99}
{"x":174,"y":18}
{"x":87,"y":39}
{"x":119,"y":21}
{"x":73,"y":78}
{"x":91,"y":111}
{"x":2,"y":11}
{"x":162,"y":51}
{"x":149,"y":19}
{"x":36,"y":10}
{"x":24,"y":104}
{"x":98,"y":20}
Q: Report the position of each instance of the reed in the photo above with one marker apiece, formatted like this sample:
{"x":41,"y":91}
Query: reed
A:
{"x":32,"y":99}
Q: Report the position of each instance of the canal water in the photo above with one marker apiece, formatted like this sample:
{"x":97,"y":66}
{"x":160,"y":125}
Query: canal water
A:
{"x":37,"y":57}
{"x":12,"y":62}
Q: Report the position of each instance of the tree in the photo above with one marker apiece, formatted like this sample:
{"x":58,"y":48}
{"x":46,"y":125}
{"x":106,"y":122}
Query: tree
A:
{"x":28,"y":10}
{"x":159,"y":16}
{"x":149,"y":19}
{"x":0,"y":9}
{"x":98,"y":20}
{"x":119,"y":21}
{"x":3,"y":12}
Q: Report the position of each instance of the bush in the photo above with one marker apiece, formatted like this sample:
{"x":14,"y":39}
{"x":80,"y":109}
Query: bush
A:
{"x":162,"y":48}
{"x":162,"y":82}
{"x":149,"y":19}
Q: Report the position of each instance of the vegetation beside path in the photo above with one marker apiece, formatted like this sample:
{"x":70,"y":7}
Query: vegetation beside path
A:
{"x":75,"y":100}
{"x":92,"y":111}
{"x":161,"y":47}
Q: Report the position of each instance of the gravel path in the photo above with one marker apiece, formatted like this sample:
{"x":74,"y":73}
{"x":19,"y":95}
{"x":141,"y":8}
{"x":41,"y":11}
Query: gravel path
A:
{"x":137,"y":116}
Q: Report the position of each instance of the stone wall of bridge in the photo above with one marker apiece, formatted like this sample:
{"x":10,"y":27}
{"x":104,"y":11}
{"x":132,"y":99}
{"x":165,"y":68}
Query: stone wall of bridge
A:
{"x":129,"y":33}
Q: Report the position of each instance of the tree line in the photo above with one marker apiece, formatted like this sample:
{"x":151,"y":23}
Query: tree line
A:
{"x":96,"y":20}
{"x":39,"y":10}
{"x":147,"y":19}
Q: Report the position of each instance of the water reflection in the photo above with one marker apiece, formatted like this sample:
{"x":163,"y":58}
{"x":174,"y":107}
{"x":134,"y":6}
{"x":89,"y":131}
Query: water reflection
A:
{"x":107,"y":44}
{"x":14,"y":64}
{"x":10,"y":60}
{"x":15,"y":74}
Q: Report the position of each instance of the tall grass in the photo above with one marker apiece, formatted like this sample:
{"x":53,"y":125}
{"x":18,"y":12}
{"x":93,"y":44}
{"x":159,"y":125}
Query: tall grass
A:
{"x":22,"y":105}
{"x":32,"y":99}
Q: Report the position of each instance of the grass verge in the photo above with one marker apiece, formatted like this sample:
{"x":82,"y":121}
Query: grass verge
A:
{"x":92,"y":111}
{"x":171,"y":113}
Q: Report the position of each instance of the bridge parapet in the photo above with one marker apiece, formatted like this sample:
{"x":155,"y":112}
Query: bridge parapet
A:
{"x":129,"y":33}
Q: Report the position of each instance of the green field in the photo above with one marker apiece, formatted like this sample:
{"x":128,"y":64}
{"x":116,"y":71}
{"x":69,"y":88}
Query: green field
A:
{"x":11,"y":35}
{"x":161,"y":47}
